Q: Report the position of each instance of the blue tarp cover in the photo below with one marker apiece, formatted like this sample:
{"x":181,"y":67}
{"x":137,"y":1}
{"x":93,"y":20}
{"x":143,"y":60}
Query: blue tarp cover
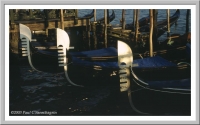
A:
{"x":178,"y":84}
{"x":111,"y":51}
{"x":150,"y":62}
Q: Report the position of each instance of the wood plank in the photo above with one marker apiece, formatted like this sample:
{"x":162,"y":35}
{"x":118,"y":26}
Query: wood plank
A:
{"x":40,"y":25}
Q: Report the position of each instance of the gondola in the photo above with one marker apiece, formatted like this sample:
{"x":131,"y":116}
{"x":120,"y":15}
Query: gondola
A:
{"x":86,"y":16}
{"x":167,"y":77}
{"x":101,"y":55}
{"x":143,"y":78}
{"x":156,"y":85}
{"x":105,"y":58}
{"x":111,"y":18}
{"x":162,"y":25}
{"x":142,"y":22}
{"x":91,"y":15}
{"x":174,"y":49}
{"x":142,"y":44}
{"x":148,"y":75}
{"x":144,"y":27}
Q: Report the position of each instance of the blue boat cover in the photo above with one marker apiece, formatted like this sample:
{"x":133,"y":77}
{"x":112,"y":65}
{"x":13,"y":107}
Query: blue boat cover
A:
{"x":150,"y":62}
{"x":110,"y":51}
{"x":153,"y":62}
{"x":178,"y":84}
{"x":78,"y":61}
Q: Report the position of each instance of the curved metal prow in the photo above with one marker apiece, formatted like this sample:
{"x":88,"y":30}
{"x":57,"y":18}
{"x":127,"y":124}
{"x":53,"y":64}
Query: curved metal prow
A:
{"x":26,"y":37}
{"x":125,"y":61}
{"x":63,"y":46}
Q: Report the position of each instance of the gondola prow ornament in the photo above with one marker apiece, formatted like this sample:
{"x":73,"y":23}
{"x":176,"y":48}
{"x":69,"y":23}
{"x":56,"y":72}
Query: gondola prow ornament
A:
{"x":125,"y":60}
{"x":26,"y":38}
{"x":63,"y":42}
{"x":125,"y":63}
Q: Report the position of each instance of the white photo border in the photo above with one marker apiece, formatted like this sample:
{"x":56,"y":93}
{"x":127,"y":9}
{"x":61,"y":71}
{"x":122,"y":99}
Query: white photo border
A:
{"x":103,"y":4}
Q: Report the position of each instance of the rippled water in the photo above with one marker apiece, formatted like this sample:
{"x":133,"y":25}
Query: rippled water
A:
{"x":51,"y":92}
{"x":43,"y":91}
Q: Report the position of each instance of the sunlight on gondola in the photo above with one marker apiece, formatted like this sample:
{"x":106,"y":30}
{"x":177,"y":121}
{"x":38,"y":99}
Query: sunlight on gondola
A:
{"x":124,"y":53}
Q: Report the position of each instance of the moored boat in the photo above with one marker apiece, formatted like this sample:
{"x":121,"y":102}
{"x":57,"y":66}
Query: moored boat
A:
{"x":161,"y":75}
{"x":104,"y":58}
{"x":142,"y":22}
{"x":110,"y":18}
{"x":144,"y":27}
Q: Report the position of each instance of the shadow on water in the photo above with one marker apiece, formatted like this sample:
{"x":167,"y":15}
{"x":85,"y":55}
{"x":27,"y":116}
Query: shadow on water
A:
{"x":50,"y":92}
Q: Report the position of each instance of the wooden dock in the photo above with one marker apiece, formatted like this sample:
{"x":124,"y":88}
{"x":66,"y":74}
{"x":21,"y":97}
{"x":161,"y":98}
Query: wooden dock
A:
{"x":41,"y":22}
{"x":84,"y":33}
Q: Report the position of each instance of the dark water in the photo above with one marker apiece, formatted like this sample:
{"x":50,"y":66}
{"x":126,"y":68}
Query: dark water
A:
{"x":51,"y":92}
{"x":100,"y":96}
{"x":42,"y":91}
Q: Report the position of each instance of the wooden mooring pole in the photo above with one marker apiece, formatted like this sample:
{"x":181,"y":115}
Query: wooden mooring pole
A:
{"x":187,"y":20}
{"x":136,"y":25}
{"x":31,"y":13}
{"x":93,"y":28}
{"x":105,"y":28}
{"x":123,"y":19}
{"x":155,"y":13}
{"x":14,"y":33}
{"x":151,"y":33}
{"x":46,"y":22}
{"x":11,"y":18}
{"x":168,"y":23}
{"x":95,"y":15}
{"x":76,"y":17}
{"x":88,"y":29}
{"x":134,"y":18}
{"x":61,"y":19}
